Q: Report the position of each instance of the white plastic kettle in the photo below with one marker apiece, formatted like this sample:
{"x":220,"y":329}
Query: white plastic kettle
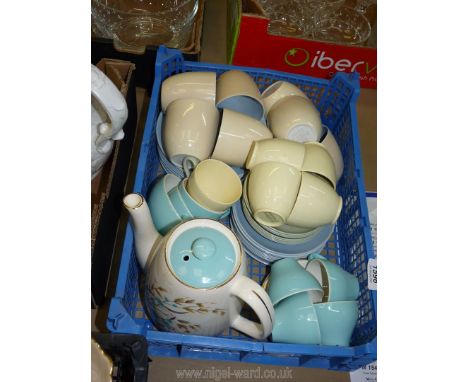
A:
{"x":108,"y":115}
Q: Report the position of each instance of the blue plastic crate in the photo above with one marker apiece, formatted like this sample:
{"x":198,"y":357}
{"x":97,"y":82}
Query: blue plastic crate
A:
{"x":350,"y":245}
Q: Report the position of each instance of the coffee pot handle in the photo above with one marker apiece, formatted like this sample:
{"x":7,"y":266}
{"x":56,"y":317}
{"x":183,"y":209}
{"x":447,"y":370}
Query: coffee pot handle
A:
{"x":255,"y":296}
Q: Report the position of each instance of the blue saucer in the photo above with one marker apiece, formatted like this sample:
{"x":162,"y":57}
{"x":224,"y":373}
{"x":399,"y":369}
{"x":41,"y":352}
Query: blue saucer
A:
{"x":267,"y":249}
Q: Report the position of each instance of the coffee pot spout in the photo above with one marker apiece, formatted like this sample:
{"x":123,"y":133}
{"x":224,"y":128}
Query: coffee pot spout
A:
{"x":145,"y":234}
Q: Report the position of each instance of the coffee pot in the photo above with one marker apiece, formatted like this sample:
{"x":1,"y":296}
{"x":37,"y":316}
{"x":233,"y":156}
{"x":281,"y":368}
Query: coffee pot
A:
{"x":195,"y":277}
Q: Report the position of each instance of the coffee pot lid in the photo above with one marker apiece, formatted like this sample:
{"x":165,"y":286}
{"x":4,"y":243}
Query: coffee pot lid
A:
{"x":203,"y":253}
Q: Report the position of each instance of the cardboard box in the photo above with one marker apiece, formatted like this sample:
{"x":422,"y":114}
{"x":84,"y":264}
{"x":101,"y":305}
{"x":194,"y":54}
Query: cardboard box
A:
{"x":107,"y":187}
{"x":144,"y":74}
{"x":250,"y":44}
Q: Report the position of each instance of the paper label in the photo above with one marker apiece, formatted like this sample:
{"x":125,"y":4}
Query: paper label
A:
{"x":367,"y":373}
{"x":372,"y":208}
{"x":372,"y":274}
{"x":372,"y":263}
{"x":374,"y":238}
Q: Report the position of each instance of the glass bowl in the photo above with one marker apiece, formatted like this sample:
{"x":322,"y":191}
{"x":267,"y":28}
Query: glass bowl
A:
{"x":134,"y":24}
{"x":341,"y":25}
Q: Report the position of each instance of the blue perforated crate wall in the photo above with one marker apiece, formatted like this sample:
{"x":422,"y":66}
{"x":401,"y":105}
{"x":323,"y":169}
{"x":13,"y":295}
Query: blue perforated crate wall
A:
{"x":350,"y":245}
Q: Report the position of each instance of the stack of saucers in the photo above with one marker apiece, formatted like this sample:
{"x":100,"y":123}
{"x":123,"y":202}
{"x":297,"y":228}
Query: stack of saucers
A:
{"x":267,"y":251}
{"x":166,"y":164}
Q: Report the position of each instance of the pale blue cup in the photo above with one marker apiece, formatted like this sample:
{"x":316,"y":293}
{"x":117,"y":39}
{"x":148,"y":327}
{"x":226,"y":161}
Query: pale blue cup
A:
{"x":337,"y":321}
{"x":296,"y":321}
{"x":337,"y":284}
{"x":163,"y":213}
{"x":178,"y":203}
{"x":288,"y":278}
{"x":195,"y":208}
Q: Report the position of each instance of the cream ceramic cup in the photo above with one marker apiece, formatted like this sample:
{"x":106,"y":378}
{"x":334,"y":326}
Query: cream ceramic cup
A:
{"x":317,"y":203}
{"x":331,"y":145}
{"x":276,"y":150}
{"x":236,"y":135}
{"x":199,"y":85}
{"x":279,"y":90}
{"x":272,"y":192}
{"x":214,"y":185}
{"x":190,"y":129}
{"x":295,"y":118}
{"x":317,"y":160}
{"x":236,"y":90}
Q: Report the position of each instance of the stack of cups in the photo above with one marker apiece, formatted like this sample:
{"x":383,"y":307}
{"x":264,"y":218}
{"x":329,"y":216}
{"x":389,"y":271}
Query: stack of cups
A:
{"x":208,"y":117}
{"x":292,"y":183}
{"x":290,"y":193}
{"x":316,"y":305}
{"x":209,"y":190}
{"x":293,"y":176}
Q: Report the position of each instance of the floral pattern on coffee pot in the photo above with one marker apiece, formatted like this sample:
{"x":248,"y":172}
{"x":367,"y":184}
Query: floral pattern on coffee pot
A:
{"x":170,"y":310}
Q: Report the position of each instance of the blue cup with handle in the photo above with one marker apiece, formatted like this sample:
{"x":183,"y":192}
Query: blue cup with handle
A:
{"x":179,"y":204}
{"x":288,"y":278}
{"x":296,"y":320}
{"x":337,"y":284}
{"x":184,"y":201}
{"x":163,"y":213}
{"x":337,"y":321}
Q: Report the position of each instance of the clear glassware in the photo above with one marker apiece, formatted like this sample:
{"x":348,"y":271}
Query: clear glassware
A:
{"x":309,"y":7}
{"x":372,"y":41}
{"x":134,"y":24}
{"x":370,"y":11}
{"x":286,"y":17}
{"x":363,"y":5}
{"x":313,"y":5}
{"x":340,"y":25}
{"x":293,"y":17}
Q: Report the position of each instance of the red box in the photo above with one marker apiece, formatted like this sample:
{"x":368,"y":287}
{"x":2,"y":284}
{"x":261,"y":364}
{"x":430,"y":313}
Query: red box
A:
{"x":250,"y":44}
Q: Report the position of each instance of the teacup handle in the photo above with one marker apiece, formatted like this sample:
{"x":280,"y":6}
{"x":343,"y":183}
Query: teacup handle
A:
{"x":314,"y":256}
{"x":188,"y":164}
{"x":256,"y":297}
